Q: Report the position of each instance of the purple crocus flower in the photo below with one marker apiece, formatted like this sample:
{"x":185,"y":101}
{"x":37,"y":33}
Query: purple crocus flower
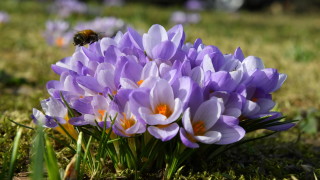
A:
{"x":196,"y":127}
{"x":55,"y":112}
{"x":114,"y":2}
{"x":57,"y":33}
{"x":180,"y":17}
{"x":4,"y":17}
{"x":159,"y":109}
{"x":64,"y":8}
{"x":53,"y":109}
{"x":195,"y":5}
{"x":126,"y":124}
{"x":208,"y":126}
{"x":162,"y":45}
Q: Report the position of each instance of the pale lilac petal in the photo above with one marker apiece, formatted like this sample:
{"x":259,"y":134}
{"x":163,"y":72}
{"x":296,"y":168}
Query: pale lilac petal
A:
{"x":156,"y":34}
{"x":164,"y":69}
{"x":136,"y":38}
{"x":164,"y":50}
{"x":282,"y":78}
{"x":251,"y":63}
{"x":106,"y":79}
{"x":208,"y":112}
{"x":230,"y":130}
{"x":238,"y":54}
{"x":71,"y":85}
{"x":54,"y":107}
{"x":186,"y":141}
{"x":150,"y":69}
{"x":186,"y":121}
{"x":38,"y":117}
{"x":128,"y":84}
{"x":209,"y":137}
{"x":197,"y":75}
{"x":132,"y":70}
{"x":250,"y":108}
{"x":83,"y":105}
{"x":207,"y":64}
{"x":161,"y":93}
{"x":150,"y":82}
{"x":164,"y":133}
{"x":150,"y":118}
{"x":105,"y":43}
{"x":176,"y":111}
{"x":178,"y":35}
{"x":90,"y":83}
{"x":265,"y":105}
{"x":184,"y":90}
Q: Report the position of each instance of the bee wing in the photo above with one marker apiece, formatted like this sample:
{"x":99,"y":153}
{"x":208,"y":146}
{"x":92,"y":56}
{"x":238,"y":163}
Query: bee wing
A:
{"x":101,"y":34}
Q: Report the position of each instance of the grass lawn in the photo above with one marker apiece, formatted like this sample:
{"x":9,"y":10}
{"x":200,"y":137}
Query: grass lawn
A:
{"x":288,"y":42}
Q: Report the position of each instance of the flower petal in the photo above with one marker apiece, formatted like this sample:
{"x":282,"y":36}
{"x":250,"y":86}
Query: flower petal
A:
{"x":186,"y":141}
{"x":209,"y":137}
{"x":208,"y":112}
{"x":230,"y":130}
{"x":164,"y":133}
{"x":164,"y":50}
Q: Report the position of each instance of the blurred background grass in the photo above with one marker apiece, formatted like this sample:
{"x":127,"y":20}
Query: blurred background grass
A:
{"x":285,"y":40}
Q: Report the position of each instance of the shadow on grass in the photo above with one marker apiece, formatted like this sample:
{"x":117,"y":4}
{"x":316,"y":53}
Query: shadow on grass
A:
{"x":10,"y":81}
{"x":263,"y":159}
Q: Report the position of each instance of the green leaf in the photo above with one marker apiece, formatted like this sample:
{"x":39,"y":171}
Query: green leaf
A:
{"x":78,"y":155}
{"x":37,"y":154}
{"x":14,"y":153}
{"x":86,"y":153}
{"x":51,"y":161}
{"x":22,"y":125}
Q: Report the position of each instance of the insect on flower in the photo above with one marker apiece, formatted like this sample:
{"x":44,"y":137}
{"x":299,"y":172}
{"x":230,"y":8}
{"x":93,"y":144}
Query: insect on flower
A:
{"x":84,"y":37}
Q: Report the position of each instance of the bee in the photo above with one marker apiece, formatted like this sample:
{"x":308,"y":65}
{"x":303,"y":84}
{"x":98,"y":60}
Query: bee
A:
{"x":84,"y":37}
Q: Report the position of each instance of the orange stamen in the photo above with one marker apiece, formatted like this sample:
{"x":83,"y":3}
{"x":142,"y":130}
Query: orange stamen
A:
{"x":254,"y":99}
{"x":164,"y":110}
{"x":139,"y":82}
{"x":60,"y":41}
{"x":163,"y":126}
{"x":68,"y":127}
{"x":127,"y":123}
{"x":199,"y":128}
{"x":101,"y":112}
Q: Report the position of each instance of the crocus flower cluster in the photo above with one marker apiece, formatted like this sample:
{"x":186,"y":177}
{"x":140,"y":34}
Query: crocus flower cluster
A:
{"x":156,"y":83}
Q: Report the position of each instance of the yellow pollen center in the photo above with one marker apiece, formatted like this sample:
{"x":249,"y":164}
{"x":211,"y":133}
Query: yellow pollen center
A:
{"x":60,"y":41}
{"x":127,"y":123}
{"x":254,"y":99}
{"x":101,"y":112}
{"x":164,"y":110}
{"x":114,"y":92}
{"x":139,"y":82}
{"x":67,"y":127}
{"x":199,"y":128}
